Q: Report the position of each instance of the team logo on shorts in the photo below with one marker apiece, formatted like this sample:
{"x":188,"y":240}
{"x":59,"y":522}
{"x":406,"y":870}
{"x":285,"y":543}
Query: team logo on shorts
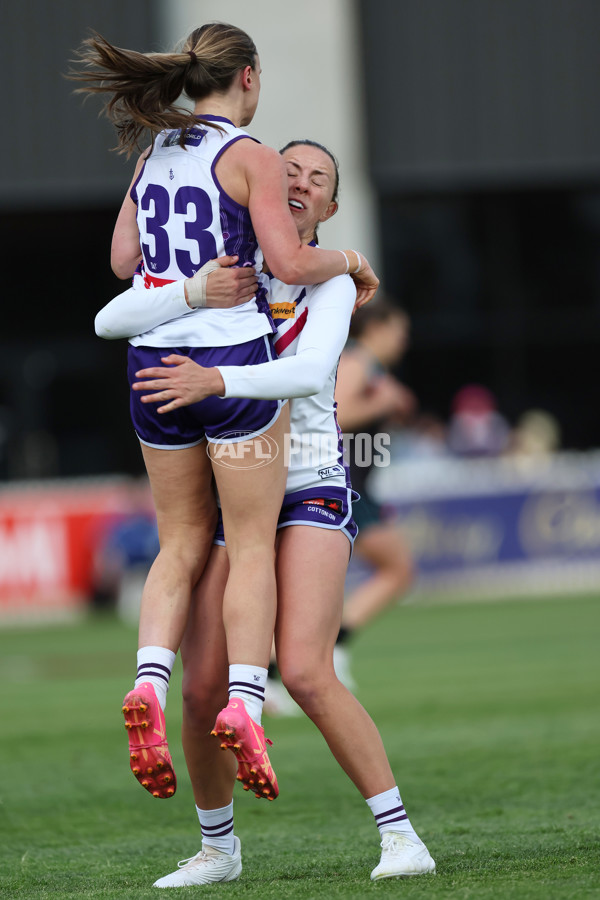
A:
{"x":242,"y":449}
{"x":328,"y":502}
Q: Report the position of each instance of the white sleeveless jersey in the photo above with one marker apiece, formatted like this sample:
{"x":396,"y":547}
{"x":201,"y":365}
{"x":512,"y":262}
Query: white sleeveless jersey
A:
{"x":185,"y":219}
{"x":316,"y":454}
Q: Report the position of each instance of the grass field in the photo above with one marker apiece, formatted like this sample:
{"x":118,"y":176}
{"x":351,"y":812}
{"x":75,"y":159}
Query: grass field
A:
{"x":490,"y":717}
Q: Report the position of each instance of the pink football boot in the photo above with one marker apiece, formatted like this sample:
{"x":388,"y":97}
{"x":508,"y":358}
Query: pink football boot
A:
{"x":239,"y":733}
{"x":149,"y":755}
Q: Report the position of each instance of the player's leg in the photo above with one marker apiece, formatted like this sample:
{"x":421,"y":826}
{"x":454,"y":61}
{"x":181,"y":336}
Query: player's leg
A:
{"x":251,"y":494}
{"x":186,"y":515}
{"x":212,"y":772}
{"x":310,"y":600}
{"x":180,"y":474}
{"x":205,"y":687}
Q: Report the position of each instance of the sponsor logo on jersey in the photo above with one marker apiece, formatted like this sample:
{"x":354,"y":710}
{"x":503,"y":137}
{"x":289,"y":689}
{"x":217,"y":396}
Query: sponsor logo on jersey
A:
{"x":330,"y":471}
{"x":192,"y":139}
{"x":283,"y":310}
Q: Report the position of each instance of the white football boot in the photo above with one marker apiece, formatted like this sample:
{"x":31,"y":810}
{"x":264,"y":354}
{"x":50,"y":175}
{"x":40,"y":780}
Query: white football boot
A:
{"x":206,"y":867}
{"x":401,"y":857}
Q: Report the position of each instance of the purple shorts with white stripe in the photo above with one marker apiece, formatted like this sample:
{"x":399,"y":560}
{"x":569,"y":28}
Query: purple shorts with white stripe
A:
{"x":319,"y":507}
{"x":216,"y":418}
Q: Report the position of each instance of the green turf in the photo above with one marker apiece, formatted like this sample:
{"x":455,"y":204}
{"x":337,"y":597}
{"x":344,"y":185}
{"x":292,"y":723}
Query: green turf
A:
{"x":489,"y":714}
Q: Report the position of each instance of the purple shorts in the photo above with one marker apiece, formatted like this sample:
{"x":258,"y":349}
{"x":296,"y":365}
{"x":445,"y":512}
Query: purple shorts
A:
{"x":318,"y":508}
{"x":219,"y":419}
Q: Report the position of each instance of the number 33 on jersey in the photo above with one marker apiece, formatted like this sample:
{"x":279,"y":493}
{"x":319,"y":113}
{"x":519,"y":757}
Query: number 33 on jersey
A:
{"x":184,"y":216}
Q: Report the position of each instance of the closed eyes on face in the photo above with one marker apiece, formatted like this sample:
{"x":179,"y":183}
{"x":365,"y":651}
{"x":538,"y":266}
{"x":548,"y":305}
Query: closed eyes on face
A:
{"x":318,"y":177}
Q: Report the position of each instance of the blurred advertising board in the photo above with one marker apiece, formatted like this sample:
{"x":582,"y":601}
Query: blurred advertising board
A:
{"x":496,"y":525}
{"x":50,"y":533}
{"x":486,"y":527}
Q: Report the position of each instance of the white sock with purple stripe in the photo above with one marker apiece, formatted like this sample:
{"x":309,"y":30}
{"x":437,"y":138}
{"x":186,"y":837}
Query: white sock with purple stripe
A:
{"x":248,"y":683}
{"x":217,"y":828}
{"x":390,"y":815}
{"x":154,"y":664}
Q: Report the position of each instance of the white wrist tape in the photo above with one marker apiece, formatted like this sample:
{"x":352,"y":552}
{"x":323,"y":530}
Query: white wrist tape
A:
{"x":347,"y":262}
{"x":360,"y":262}
{"x":196,"y":287}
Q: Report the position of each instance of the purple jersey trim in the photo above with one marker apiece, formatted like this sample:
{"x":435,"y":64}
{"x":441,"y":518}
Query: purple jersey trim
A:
{"x":236,"y":226}
{"x":239,"y":238}
{"x":133,"y":191}
{"x":262,"y":305}
{"x":211,"y":118}
{"x":240,"y":137}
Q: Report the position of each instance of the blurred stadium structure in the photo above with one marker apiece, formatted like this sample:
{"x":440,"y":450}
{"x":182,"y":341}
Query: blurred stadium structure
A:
{"x":469,"y":141}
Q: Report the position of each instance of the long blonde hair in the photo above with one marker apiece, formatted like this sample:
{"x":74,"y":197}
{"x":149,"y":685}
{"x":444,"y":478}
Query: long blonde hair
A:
{"x":144,"y":87}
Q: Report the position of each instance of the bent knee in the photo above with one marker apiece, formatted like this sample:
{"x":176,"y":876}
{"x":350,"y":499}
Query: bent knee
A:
{"x":185,"y":531}
{"x":187,"y":555}
{"x":307,"y":684}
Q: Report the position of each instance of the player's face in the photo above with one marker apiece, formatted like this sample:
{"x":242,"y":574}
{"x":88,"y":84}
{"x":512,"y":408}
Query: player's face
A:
{"x":311,"y":183}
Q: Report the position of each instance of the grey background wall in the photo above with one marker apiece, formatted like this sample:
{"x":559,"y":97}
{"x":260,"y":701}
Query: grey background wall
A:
{"x":469,"y":138}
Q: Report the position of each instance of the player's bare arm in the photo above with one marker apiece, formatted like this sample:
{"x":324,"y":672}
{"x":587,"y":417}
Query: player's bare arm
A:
{"x":289,"y":259}
{"x":125,"y":251}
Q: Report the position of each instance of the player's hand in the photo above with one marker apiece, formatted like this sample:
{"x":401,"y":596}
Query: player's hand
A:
{"x":226,"y":286}
{"x":180,"y":382}
{"x":365,"y":279}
